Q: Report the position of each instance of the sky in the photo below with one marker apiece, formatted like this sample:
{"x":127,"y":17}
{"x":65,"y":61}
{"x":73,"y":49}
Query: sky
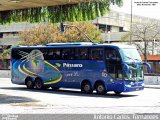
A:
{"x":146,"y":8}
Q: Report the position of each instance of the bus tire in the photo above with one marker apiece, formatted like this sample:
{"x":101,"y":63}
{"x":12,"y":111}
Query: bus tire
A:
{"x":39,"y":84}
{"x":86,"y":87}
{"x":29,"y":83}
{"x":100,"y":88}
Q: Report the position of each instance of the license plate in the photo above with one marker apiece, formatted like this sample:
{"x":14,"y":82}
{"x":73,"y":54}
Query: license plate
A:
{"x":137,"y":88}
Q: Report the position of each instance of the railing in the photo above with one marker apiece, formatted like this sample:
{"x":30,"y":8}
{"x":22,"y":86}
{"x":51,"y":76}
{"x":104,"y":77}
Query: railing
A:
{"x":10,"y":40}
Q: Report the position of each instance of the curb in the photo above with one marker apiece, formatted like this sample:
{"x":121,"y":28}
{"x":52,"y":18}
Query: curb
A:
{"x":152,"y":86}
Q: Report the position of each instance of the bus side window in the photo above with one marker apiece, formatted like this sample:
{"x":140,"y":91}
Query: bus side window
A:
{"x":45,"y":53}
{"x":57,"y":54}
{"x":112,"y":55}
{"x":54,"y":54}
{"x":96,"y":54}
{"x":81,"y":53}
{"x":20,"y":53}
{"x":68,"y":54}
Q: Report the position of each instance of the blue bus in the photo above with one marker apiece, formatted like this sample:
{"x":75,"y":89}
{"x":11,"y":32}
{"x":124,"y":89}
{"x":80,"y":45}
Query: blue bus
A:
{"x":86,"y":66}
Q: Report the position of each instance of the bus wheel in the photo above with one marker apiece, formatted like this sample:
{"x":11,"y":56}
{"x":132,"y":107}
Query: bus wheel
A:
{"x":29,"y":83}
{"x":39,"y":84}
{"x":100,"y":88}
{"x":86,"y":88}
{"x":117,"y":93}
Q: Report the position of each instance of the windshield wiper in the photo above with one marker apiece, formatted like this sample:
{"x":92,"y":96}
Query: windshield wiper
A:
{"x":132,"y":58}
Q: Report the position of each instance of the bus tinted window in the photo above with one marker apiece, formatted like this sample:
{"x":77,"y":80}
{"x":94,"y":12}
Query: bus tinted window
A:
{"x":20,"y":53}
{"x":53,"y":54}
{"x":112,"y":55}
{"x":67,"y":54}
{"x":96,"y":54}
{"x":81,"y":53}
{"x":45,"y":53}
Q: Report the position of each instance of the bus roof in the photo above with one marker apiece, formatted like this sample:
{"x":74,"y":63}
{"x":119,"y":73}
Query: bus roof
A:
{"x":80,"y":44}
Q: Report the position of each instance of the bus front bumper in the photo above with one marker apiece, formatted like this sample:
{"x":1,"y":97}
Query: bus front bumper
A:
{"x":133,"y":86}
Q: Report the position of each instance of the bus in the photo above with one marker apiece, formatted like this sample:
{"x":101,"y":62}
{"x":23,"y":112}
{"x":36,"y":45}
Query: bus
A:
{"x":86,"y":66}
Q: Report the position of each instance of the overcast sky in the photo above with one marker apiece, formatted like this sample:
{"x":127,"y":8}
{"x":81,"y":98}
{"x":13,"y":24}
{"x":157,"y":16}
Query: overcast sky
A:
{"x":147,"y":8}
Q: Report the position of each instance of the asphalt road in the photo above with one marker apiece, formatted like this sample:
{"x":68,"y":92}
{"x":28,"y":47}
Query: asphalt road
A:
{"x":17,"y":99}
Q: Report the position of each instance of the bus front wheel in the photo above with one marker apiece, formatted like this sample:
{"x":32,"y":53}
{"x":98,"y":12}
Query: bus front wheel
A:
{"x":39,"y":84}
{"x":29,"y":83}
{"x":86,"y":88}
{"x":100,"y":88}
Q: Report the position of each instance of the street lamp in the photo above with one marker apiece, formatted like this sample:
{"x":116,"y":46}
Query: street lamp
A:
{"x":109,"y":36}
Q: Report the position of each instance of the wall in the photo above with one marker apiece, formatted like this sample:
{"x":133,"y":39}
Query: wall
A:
{"x":152,"y":80}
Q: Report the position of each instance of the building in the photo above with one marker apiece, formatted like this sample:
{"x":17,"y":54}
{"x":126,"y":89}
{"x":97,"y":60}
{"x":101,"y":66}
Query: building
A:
{"x":154,"y":61}
{"x":8,"y":37}
{"x":116,"y":26}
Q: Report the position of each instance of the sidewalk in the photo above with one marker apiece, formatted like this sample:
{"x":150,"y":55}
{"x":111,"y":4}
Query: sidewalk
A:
{"x":152,"y":86}
{"x":5,"y":74}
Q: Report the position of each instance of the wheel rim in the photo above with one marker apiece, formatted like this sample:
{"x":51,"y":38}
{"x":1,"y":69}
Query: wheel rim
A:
{"x":29,"y":83}
{"x":38,"y":84}
{"x":100,"y":88}
{"x":86,"y":88}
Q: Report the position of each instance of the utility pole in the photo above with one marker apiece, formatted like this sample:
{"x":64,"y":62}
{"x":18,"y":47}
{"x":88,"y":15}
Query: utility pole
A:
{"x":131,"y":25}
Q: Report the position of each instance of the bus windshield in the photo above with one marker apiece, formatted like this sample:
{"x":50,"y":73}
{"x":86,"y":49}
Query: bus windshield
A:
{"x":133,"y":60}
{"x":130,"y":55}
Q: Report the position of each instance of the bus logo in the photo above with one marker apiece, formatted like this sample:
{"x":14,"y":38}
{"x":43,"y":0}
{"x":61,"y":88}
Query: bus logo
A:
{"x":58,"y":64}
{"x":72,"y":65}
{"x":68,"y":65}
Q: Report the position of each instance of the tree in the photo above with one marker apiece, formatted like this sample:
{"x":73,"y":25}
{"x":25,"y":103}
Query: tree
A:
{"x":50,"y":33}
{"x":146,"y":33}
{"x":80,"y":11}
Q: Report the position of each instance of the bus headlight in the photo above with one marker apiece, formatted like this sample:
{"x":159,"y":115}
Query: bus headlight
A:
{"x":128,"y":85}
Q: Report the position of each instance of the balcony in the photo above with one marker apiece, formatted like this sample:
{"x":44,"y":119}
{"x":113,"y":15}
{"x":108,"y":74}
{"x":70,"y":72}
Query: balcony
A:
{"x":10,"y":40}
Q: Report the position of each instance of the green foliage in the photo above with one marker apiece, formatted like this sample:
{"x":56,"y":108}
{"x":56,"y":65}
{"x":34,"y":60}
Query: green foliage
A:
{"x":43,"y":34}
{"x":70,"y":12}
{"x":5,"y":54}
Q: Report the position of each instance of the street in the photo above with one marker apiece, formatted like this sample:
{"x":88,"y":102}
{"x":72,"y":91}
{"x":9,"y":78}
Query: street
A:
{"x":17,"y":99}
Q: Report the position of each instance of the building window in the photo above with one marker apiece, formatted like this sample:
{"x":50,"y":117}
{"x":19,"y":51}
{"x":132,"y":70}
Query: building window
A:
{"x":1,"y":50}
{"x":102,"y":27}
{"x":1,"y":35}
{"x":120,"y":29}
{"x":109,"y":28}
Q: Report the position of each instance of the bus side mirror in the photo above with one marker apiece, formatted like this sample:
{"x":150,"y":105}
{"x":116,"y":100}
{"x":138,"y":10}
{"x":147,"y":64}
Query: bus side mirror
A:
{"x":62,"y":27}
{"x":127,"y":68}
{"x":149,"y":68}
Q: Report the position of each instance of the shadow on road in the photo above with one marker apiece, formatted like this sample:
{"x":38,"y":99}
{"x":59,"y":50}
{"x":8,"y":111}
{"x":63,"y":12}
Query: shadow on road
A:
{"x":71,"y":92}
{"x":6,"y":99}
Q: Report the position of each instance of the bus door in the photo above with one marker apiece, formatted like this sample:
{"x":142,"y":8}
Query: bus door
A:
{"x":113,"y":63}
